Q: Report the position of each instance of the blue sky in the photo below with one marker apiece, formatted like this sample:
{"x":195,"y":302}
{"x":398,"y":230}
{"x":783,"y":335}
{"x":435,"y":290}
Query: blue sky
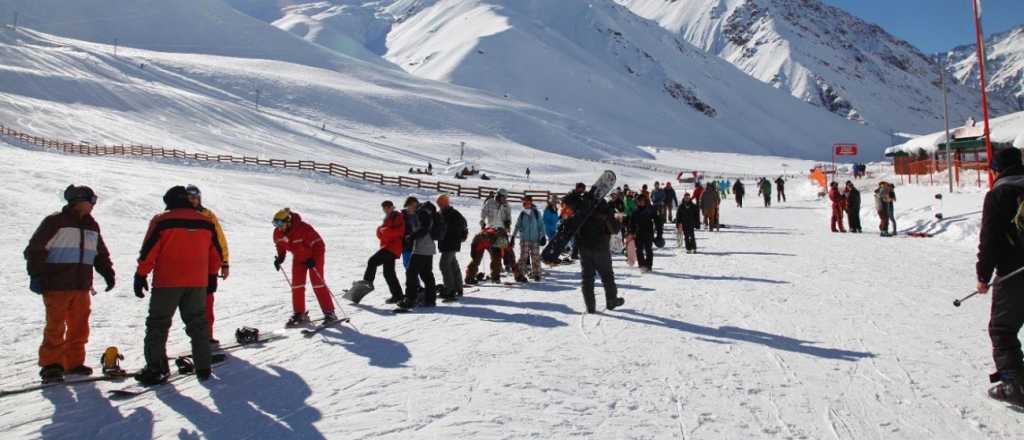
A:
{"x":935,"y":25}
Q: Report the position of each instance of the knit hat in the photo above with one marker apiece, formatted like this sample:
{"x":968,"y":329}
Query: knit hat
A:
{"x":74,"y":194}
{"x":176,"y":198}
{"x":1006,"y":158}
{"x":442,"y":200}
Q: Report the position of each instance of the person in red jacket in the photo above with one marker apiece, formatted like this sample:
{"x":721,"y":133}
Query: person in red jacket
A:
{"x":182,"y":251}
{"x":698,"y":191}
{"x":291,"y":234}
{"x":390,"y":233}
{"x":838,"y":205}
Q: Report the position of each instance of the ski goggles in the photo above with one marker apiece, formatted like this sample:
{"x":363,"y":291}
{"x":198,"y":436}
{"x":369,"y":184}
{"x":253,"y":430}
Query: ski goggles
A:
{"x":193,"y":191}
{"x":278,"y":223}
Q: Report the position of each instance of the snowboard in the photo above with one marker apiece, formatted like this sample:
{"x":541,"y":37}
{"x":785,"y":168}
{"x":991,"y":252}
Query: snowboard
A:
{"x":630,"y":250}
{"x":176,"y":376}
{"x":680,"y":239}
{"x":568,"y":228}
{"x":616,"y":245}
{"x":357,"y":292}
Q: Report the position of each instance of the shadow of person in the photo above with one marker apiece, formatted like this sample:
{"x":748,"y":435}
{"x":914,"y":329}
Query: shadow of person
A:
{"x":729,"y":333}
{"x":82,"y":411}
{"x":534,"y":305}
{"x":381,"y":352}
{"x":683,"y":276}
{"x":251,"y":402}
{"x":765,"y":254}
{"x":485,"y":314}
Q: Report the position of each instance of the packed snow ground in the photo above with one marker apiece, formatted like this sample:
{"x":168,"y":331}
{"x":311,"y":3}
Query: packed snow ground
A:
{"x":777,"y":329}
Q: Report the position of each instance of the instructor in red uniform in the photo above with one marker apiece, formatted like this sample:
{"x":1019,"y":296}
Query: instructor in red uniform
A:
{"x":291,"y":234}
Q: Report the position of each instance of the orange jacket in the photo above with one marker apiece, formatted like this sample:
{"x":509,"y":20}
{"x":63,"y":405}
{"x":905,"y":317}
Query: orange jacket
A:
{"x":301,"y":240}
{"x":181,"y":249}
{"x":391,"y":233}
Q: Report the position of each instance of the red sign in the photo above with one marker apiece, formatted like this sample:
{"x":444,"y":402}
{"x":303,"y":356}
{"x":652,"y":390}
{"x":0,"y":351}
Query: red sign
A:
{"x":845,"y":149}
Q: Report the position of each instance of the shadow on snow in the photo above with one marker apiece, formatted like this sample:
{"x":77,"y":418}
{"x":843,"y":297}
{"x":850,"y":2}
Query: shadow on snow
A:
{"x":82,"y":411}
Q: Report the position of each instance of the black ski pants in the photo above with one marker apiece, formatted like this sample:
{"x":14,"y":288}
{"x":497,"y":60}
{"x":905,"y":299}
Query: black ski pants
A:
{"x":1006,"y":320}
{"x":384,"y":259}
{"x":645,"y":252}
{"x":853,"y":216}
{"x":781,"y":195}
{"x":739,"y":200}
{"x":689,"y":238}
{"x":767,"y":200}
{"x":659,"y":221}
{"x":597,"y":261}
{"x":421,"y":267}
{"x":450,"y":273}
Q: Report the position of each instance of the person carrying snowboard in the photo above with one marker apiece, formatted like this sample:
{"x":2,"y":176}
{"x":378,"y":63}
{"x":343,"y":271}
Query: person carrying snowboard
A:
{"x":390,"y":234}
{"x":593,"y":239}
{"x":292,"y":234}
{"x":455,"y":233}
{"x":421,"y":264}
{"x":738,"y":190}
{"x":764,"y":189}
{"x":182,"y":252}
{"x":852,"y":195}
{"x":1000,"y":246}
{"x":687,"y":221}
{"x":838,"y":204}
{"x":780,"y":189}
{"x":60,"y":259}
{"x":195,"y":197}
{"x":530,"y":231}
{"x":642,"y":226}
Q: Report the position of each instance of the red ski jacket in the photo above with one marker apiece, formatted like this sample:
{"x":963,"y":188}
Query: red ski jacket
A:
{"x":301,"y":240}
{"x":181,"y":249}
{"x":837,"y":198}
{"x":391,"y":233}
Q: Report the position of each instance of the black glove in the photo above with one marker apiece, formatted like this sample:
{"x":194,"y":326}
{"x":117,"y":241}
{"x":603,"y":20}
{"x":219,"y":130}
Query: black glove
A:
{"x":109,"y":278}
{"x":141,"y":285}
{"x":311,"y":263}
{"x":543,"y":241}
{"x":211,"y":283}
{"x":277,"y":262}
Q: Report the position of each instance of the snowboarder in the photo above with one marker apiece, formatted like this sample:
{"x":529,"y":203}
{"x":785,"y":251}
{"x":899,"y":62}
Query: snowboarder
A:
{"x":60,"y":258}
{"x":455,"y":233}
{"x":764,"y":189}
{"x":421,"y":264}
{"x":710,"y":201}
{"x":853,"y":207}
{"x":642,"y":226}
{"x":195,"y":197}
{"x":182,"y":251}
{"x":838,"y":205}
{"x":291,"y":234}
{"x":593,"y":239}
{"x":780,"y":188}
{"x":671,"y":201}
{"x":530,"y":231}
{"x":688,"y":220}
{"x":999,"y":252}
{"x":391,"y":234}
{"x":738,"y":191}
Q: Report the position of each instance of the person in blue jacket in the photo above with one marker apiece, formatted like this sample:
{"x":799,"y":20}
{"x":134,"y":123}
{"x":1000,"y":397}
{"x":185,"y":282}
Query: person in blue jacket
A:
{"x":551,"y":218}
{"x":530,"y":231}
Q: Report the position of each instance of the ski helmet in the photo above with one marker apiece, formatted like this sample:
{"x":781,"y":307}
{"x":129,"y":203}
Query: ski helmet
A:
{"x":193,"y":191}
{"x":74,"y":194}
{"x":283,"y":216}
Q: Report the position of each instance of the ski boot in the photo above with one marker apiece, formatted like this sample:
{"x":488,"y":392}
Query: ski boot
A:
{"x":616,"y":304}
{"x":150,"y":377}
{"x":521,"y":279}
{"x":330,"y":318}
{"x":393,"y":300}
{"x":80,"y":370}
{"x":298,"y":319}
{"x":536,"y":278}
{"x":53,"y":373}
{"x":1008,"y":391}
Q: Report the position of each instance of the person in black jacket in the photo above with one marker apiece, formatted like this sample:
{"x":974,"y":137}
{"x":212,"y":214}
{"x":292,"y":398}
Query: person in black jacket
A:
{"x":422,"y":260}
{"x":594,"y":242}
{"x":853,"y":207}
{"x":456,"y":231}
{"x":687,"y":221}
{"x":999,"y":252}
{"x":671,"y":200}
{"x":642,"y":226}
{"x":738,"y":190}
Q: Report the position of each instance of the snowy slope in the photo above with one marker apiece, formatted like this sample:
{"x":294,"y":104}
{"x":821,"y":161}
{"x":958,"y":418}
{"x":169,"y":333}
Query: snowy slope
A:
{"x":822,"y":55}
{"x":1004,"y":68}
{"x":778,"y":329}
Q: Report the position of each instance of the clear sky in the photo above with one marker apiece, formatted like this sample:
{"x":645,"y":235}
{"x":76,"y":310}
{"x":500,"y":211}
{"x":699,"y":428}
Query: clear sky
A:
{"x":935,"y":25}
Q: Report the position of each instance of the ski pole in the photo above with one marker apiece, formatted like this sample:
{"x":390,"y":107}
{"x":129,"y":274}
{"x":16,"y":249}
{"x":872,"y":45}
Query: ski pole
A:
{"x":995,"y":282}
{"x":324,"y":281}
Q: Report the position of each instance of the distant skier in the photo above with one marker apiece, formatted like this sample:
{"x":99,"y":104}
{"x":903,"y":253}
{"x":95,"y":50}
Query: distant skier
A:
{"x":60,"y":258}
{"x":780,"y":188}
{"x":1000,"y":252}
{"x":642,"y":226}
{"x":838,"y":205}
{"x":853,"y":207}
{"x":421,"y":264}
{"x":182,"y":251}
{"x":687,"y":221}
{"x":291,"y":234}
{"x":390,"y":234}
{"x":671,"y":201}
{"x":764,"y":189}
{"x":455,"y":233}
{"x":530,"y":231}
{"x":195,"y":197}
{"x":710,"y":201}
{"x":739,"y":191}
{"x":595,"y":253}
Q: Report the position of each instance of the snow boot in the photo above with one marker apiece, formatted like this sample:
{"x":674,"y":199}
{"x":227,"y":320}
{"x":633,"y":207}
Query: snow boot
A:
{"x":80,"y":370}
{"x":536,"y":278}
{"x":618,"y":303}
{"x":52,"y":373}
{"x":1009,"y":391}
{"x":393,"y":300}
{"x":203,"y":374}
{"x":521,"y":279}
{"x":150,"y":377}
{"x":298,"y":319}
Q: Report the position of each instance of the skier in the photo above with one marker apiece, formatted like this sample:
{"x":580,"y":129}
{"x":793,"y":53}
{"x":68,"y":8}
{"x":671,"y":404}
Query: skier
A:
{"x":391,"y":234}
{"x":530,"y":230}
{"x":551,"y":218}
{"x":838,"y":204}
{"x":658,"y":202}
{"x":739,"y":190}
{"x":195,"y":197}
{"x":182,"y":251}
{"x":764,"y":189}
{"x":671,"y":201}
{"x":853,"y":207}
{"x":595,"y":254}
{"x":687,"y":220}
{"x":60,"y":258}
{"x":642,"y":226}
{"x":455,"y":233}
{"x":710,"y":201}
{"x":291,"y":234}
{"x":999,"y":252}
{"x":421,"y":264}
{"x":780,"y":187}
{"x":497,"y":215}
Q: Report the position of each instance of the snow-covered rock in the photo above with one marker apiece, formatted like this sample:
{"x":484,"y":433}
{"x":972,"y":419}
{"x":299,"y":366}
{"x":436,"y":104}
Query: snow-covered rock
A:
{"x":1004,"y":68}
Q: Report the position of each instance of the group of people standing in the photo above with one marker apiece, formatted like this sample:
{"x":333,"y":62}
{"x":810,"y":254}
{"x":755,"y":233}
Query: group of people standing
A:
{"x":847,"y":200}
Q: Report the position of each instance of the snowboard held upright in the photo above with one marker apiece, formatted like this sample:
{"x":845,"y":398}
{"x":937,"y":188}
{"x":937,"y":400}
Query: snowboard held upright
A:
{"x":568,"y":228}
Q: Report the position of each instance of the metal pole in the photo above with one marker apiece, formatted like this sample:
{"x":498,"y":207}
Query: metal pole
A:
{"x":945,"y":106}
{"x":984,"y":94}
{"x":15,"y":21}
{"x":115,"y":47}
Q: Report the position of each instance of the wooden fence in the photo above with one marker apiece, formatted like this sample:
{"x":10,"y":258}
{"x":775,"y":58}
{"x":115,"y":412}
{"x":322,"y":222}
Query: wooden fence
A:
{"x":331,"y":168}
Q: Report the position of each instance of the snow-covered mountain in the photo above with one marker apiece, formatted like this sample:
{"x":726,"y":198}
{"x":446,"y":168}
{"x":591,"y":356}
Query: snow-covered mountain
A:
{"x":1004,"y":69}
{"x":822,"y":55}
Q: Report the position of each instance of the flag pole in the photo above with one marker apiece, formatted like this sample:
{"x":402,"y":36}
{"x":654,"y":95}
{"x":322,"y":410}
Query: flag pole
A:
{"x":976,"y":4}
